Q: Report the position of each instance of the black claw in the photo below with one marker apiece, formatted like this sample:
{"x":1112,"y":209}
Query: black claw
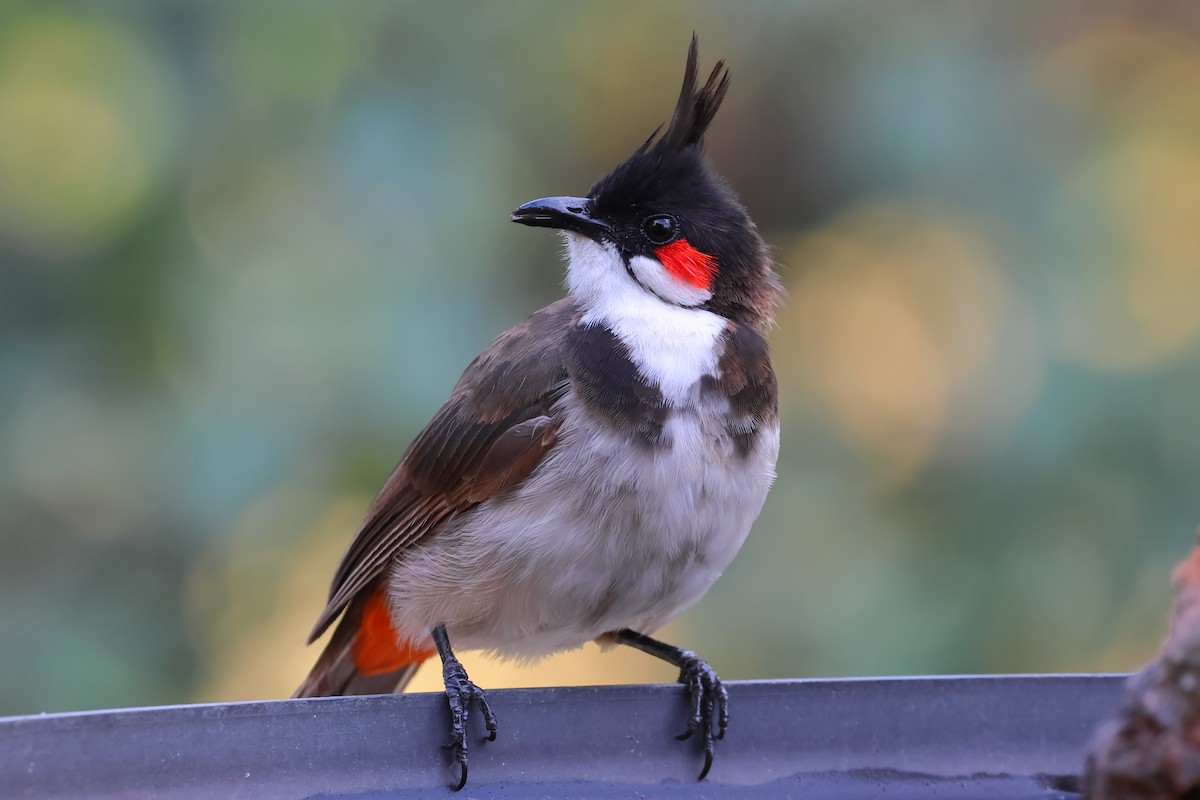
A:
{"x":462,"y":781}
{"x":489,"y":719}
{"x":709,"y":705}
{"x":460,"y":693}
{"x":722,"y":710}
{"x":706,"y":694}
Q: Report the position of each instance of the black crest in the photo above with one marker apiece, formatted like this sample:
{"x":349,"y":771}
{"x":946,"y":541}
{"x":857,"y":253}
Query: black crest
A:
{"x":674,"y":159}
{"x":669,"y":175}
{"x":694,"y":111}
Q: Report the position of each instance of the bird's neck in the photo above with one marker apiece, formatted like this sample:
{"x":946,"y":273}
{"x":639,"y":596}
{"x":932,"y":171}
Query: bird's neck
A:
{"x":671,"y":346}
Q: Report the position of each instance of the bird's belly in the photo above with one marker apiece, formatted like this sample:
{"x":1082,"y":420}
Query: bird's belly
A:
{"x":605,"y":534}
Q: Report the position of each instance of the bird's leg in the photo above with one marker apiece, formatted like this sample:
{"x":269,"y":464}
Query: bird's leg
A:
{"x":710,"y":701}
{"x":461,"y":693}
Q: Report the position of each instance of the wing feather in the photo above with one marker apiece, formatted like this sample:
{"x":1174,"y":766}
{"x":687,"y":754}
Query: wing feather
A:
{"x":498,"y":424}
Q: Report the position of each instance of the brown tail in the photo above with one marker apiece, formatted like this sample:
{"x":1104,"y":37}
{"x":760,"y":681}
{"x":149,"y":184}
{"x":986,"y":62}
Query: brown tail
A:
{"x":364,"y":655}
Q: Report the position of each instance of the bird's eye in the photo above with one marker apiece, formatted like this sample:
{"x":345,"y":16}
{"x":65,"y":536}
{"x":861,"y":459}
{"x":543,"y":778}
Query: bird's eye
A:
{"x":660,"y":228}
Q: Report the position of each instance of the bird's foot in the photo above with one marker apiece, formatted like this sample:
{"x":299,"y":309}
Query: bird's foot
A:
{"x":461,"y":693}
{"x":710,"y":704}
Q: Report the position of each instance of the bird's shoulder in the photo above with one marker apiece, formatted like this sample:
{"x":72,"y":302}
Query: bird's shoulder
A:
{"x":746,"y":380}
{"x":744,"y":370}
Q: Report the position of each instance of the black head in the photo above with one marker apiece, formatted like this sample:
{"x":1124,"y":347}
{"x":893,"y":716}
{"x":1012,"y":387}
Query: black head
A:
{"x":679,"y":229}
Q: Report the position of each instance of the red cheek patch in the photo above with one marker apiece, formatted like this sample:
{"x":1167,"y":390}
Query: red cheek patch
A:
{"x":687,"y":264}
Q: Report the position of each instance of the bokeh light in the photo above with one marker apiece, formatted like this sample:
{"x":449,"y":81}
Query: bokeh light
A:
{"x":89,"y":120}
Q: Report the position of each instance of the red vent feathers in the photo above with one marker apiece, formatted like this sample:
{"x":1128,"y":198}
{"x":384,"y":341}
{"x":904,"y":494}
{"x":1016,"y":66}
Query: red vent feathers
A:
{"x":376,"y":648}
{"x":687,"y":264}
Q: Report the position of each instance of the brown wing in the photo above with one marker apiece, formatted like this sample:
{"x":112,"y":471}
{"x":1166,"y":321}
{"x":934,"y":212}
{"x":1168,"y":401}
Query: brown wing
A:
{"x":491,"y":433}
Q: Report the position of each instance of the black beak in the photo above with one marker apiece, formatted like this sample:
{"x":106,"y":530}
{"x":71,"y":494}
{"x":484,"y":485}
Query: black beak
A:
{"x":564,"y":213}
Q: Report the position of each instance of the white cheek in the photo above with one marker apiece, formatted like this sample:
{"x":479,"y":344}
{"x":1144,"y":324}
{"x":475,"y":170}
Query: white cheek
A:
{"x":594,"y":271}
{"x":673,"y":346}
{"x":654,"y":276}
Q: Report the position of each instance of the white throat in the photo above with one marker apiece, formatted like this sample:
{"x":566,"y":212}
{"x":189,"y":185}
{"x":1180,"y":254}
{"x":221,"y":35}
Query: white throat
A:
{"x":673,"y":347}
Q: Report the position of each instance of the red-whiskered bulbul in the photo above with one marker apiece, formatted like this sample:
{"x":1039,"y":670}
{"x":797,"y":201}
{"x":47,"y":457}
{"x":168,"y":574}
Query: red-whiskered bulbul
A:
{"x":599,"y":465}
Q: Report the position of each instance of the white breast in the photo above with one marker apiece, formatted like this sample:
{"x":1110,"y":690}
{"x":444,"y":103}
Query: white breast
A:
{"x":599,"y":538}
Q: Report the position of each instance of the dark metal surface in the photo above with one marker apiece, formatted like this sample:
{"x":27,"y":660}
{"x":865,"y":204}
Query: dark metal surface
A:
{"x":976,"y":737}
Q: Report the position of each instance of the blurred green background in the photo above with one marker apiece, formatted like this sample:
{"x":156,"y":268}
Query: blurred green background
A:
{"x":246,"y":249}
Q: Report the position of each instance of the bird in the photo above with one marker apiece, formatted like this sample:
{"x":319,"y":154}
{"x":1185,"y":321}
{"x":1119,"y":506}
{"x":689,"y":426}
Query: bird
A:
{"x":597,"y":466}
